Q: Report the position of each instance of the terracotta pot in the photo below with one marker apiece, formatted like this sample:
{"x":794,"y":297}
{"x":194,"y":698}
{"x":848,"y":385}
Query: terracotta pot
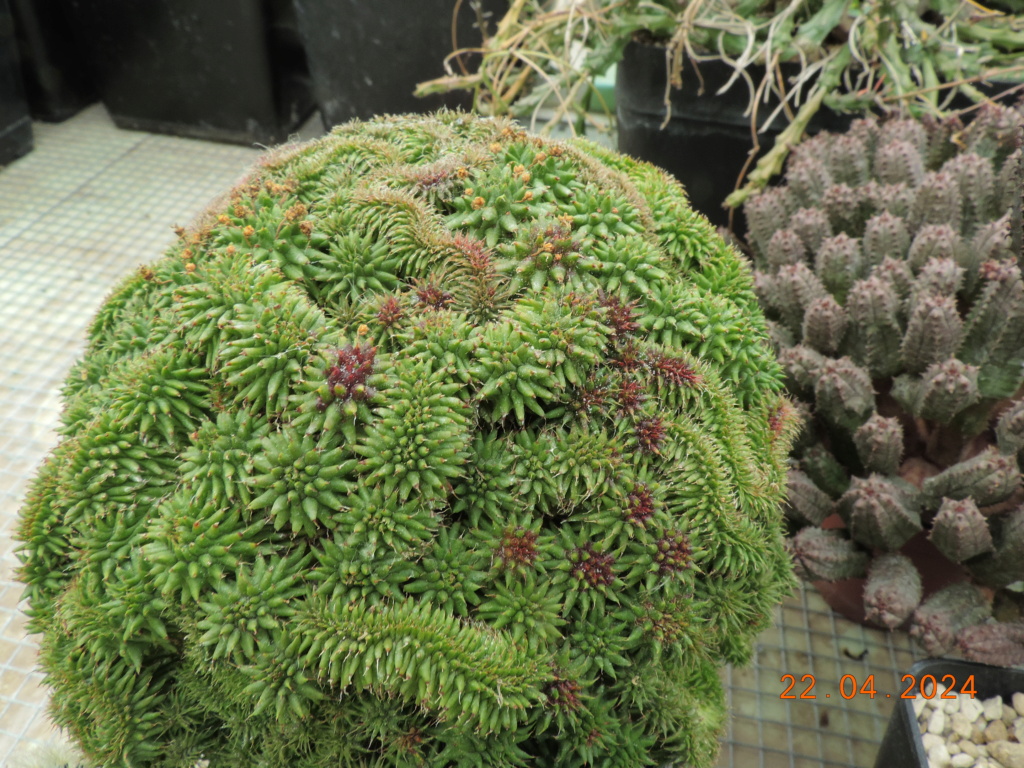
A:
{"x":846,"y":596}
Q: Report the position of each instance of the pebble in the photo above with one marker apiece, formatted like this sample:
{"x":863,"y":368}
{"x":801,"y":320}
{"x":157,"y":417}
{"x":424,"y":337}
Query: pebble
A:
{"x":992,"y":708}
{"x":960,"y":725}
{"x":969,"y":708}
{"x":996,"y":731}
{"x":938,"y":756}
{"x":1009,"y":754}
{"x":969,"y":733}
{"x":931,"y":740}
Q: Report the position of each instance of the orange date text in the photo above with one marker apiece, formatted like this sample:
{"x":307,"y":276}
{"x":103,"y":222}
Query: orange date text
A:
{"x":926,"y":687}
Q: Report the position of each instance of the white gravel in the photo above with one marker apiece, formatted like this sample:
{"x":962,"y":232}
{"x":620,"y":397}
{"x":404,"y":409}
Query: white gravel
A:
{"x":963,"y":732}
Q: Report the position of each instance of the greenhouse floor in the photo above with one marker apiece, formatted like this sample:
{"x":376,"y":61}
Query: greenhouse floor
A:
{"x":93,"y":202}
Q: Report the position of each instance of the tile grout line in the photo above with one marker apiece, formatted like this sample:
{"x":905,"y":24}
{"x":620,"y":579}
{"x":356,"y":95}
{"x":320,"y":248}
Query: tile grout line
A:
{"x":69,"y":195}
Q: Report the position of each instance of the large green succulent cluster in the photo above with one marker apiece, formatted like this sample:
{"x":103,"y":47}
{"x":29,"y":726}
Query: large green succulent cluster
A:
{"x":889,"y":268}
{"x":433,"y":444}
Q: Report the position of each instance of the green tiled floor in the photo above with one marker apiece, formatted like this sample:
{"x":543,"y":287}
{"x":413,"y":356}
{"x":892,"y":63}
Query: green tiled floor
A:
{"x":92,"y":202}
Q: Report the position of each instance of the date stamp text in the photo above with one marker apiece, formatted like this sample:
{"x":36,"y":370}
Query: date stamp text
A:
{"x":927,"y":687}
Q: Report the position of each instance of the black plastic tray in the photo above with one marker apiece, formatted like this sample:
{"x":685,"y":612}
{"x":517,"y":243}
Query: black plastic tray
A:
{"x":230,"y":70}
{"x":58,"y":81}
{"x":901,"y":747}
{"x":15,"y":124}
{"x":367,"y":57}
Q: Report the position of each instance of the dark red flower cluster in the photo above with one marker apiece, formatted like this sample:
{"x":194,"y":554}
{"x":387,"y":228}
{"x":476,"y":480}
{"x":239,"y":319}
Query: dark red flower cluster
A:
{"x":631,"y":395}
{"x":432,"y":295}
{"x":347,"y":379}
{"x":389,"y":312}
{"x":650,"y":433}
{"x":590,"y":398}
{"x":628,"y":359}
{"x":595,"y":568}
{"x":639,"y":504}
{"x":564,"y":694}
{"x":518,"y":547}
{"x":477,"y":256}
{"x":675,"y":369}
{"x":619,"y":317}
{"x":673,"y":553}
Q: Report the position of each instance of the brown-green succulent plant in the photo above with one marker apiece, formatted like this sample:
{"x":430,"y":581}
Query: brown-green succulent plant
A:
{"x":888,"y":265}
{"x":432,"y":444}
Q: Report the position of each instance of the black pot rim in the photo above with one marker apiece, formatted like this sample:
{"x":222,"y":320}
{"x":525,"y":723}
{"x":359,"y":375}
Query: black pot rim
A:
{"x":902,"y":746}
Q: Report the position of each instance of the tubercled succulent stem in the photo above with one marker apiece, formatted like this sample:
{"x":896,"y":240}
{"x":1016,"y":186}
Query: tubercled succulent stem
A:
{"x":888,"y":268}
{"x":434,"y":444}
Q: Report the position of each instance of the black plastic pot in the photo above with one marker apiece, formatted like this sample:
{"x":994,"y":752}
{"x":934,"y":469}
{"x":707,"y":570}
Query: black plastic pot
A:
{"x":708,"y":139}
{"x":15,"y":123}
{"x":58,"y":83}
{"x":366,"y":58}
{"x":231,"y":70}
{"x":902,"y":747}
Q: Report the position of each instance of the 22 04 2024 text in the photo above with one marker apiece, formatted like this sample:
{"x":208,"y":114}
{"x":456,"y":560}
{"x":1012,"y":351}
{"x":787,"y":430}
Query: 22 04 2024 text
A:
{"x":926,"y":687}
